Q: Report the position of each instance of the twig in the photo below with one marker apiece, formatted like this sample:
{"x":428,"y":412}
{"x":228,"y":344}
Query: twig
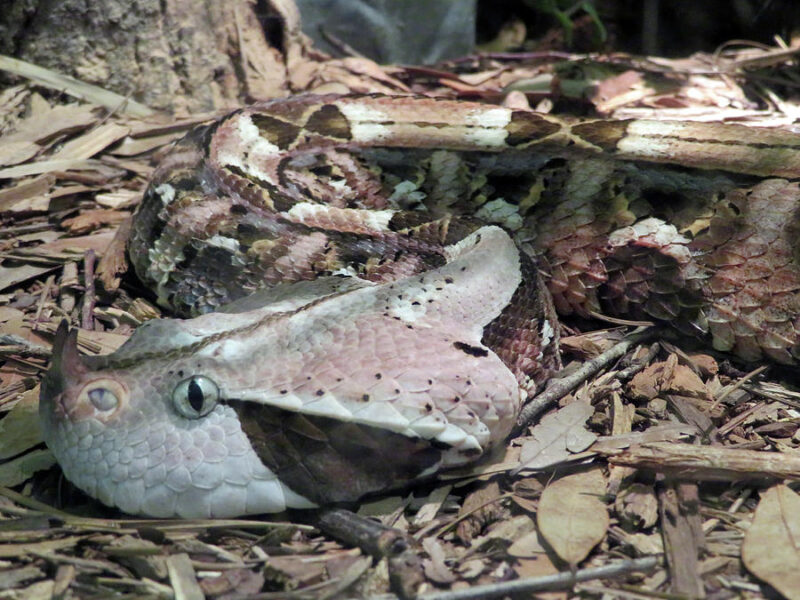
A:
{"x":561,"y":387}
{"x":377,"y":540}
{"x":560,"y":581}
{"x":727,"y":392}
{"x":88,"y":296}
{"x":689,"y":462}
{"x":372,"y":537}
{"x":628,"y":372}
{"x":344,"y":48}
{"x":44,"y":296}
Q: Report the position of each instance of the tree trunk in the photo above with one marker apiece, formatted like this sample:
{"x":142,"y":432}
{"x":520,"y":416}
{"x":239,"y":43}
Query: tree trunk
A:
{"x":175,"y":55}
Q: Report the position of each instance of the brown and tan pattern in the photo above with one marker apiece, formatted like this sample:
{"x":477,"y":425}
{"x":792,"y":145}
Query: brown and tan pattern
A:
{"x":291,"y":189}
{"x":364,"y":243}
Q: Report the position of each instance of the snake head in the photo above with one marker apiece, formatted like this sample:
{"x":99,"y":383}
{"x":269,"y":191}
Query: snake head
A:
{"x":125,"y":430}
{"x":322,"y":395}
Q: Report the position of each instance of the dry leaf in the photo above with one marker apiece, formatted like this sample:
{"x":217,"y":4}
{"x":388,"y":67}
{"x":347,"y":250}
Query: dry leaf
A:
{"x":19,"y":429}
{"x":571,"y":516}
{"x":540,"y":566}
{"x":506,"y":531}
{"x":428,"y":510}
{"x":52,"y":122}
{"x":668,"y":432}
{"x":557,"y":436}
{"x":668,"y":377}
{"x":435,"y":567}
{"x":645,"y":543}
{"x":770,"y":549}
{"x":528,"y":546}
{"x":482,"y":509}
{"x":14,"y":153}
{"x":526,"y":493}
{"x":637,"y":506}
{"x":19,"y":470}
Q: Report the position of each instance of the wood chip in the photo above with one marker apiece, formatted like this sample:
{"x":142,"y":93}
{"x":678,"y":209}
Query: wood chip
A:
{"x":92,"y":142}
{"x":49,"y":166}
{"x":133,"y":146}
{"x":32,"y":195}
{"x":183,"y":578}
{"x":683,"y":537}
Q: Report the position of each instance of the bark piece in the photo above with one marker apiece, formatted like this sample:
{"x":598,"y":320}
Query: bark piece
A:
{"x":683,"y":536}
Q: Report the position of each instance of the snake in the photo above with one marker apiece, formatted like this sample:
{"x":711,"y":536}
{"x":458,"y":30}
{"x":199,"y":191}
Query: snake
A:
{"x":366,"y":290}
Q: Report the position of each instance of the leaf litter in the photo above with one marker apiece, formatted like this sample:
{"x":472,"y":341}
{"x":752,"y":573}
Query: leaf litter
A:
{"x":665,"y":473}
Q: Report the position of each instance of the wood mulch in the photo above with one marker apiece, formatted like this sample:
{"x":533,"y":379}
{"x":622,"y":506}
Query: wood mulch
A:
{"x":665,"y":471}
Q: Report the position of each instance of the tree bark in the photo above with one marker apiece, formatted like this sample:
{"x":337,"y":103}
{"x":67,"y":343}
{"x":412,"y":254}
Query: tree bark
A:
{"x":174,"y":55}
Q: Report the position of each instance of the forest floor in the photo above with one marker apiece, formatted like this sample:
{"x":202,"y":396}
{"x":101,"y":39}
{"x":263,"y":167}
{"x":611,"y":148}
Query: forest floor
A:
{"x":665,"y":466}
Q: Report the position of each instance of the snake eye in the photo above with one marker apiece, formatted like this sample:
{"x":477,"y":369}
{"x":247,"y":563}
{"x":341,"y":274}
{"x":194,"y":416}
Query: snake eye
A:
{"x":195,"y":397}
{"x":103,"y":398}
{"x":104,"y":395}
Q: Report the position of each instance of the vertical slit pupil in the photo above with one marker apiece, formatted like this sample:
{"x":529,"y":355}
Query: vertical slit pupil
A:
{"x":195,"y":395}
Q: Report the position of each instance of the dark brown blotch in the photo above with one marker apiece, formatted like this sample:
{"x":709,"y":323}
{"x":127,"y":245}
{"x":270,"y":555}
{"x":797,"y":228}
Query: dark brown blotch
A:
{"x":277,"y":132}
{"x":527,"y":126}
{"x":470,"y":349}
{"x":329,"y":121}
{"x":327,"y":460}
{"x":605,"y":134}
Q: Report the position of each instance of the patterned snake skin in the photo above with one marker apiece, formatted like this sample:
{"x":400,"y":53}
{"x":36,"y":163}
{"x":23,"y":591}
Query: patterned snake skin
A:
{"x":387,"y":269}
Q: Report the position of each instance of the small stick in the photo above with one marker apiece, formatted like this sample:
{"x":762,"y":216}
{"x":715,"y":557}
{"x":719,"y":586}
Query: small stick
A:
{"x":689,"y":462}
{"x":561,"y":387}
{"x":560,"y":581}
{"x":87,"y":322}
{"x":379,"y":541}
{"x":372,"y":537}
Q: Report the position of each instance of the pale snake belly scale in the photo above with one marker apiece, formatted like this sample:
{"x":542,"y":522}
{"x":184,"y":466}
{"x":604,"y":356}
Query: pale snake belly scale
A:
{"x":378,"y":266}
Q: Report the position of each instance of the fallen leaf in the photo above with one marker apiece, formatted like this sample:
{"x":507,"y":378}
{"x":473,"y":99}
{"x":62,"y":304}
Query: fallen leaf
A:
{"x":14,"y":153}
{"x":637,"y":506}
{"x":528,"y":546}
{"x":668,"y":432}
{"x":435,"y":567}
{"x":481,"y":508}
{"x":431,"y":506}
{"x":645,"y":543}
{"x":19,"y":429}
{"x":52,"y":122}
{"x":506,"y":531}
{"x":557,"y":436}
{"x":526,"y":493}
{"x":471,"y":569}
{"x":571,"y":516}
{"x":19,"y":470}
{"x":667,"y":377}
{"x":771,"y":550}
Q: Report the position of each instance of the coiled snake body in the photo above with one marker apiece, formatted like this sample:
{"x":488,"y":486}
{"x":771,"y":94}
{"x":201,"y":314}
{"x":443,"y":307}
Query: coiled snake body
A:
{"x":367,"y":278}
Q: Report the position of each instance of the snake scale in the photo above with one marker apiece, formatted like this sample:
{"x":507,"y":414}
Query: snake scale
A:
{"x":372,"y":281}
